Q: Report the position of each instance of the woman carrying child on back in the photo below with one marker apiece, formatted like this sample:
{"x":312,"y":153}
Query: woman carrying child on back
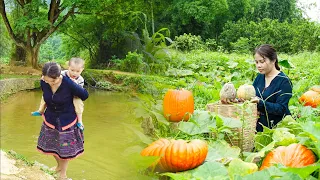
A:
{"x":59,"y":135}
{"x":75,"y":68}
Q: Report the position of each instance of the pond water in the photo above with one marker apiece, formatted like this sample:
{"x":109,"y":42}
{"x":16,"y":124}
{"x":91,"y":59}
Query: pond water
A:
{"x":110,"y":129}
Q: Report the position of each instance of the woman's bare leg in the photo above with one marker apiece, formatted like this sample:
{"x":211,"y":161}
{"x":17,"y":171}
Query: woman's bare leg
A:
{"x":63,"y":166}
{"x":58,"y":168}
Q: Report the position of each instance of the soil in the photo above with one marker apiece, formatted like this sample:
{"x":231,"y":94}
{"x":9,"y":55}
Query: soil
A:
{"x":15,"y":169}
{"x":19,"y":70}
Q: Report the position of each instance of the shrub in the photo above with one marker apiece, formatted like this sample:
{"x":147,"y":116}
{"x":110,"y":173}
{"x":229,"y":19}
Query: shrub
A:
{"x":132,"y":63}
{"x":187,"y":42}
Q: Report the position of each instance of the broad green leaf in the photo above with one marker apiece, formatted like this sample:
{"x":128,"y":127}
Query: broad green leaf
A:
{"x":272,"y":173}
{"x":141,"y":162}
{"x":261,"y":153}
{"x":160,"y":118}
{"x":219,"y":121}
{"x":141,"y":112}
{"x":283,"y":137}
{"x":231,"y":122}
{"x":293,"y":126}
{"x":262,"y":139}
{"x":192,"y":128}
{"x":313,"y":128}
{"x":306,"y":111}
{"x":241,"y":168}
{"x":285,"y":63}
{"x":178,"y":176}
{"x":132,"y":150}
{"x":209,"y":170}
{"x":303,"y":172}
{"x":232,"y":64}
{"x":145,"y":139}
{"x":222,"y":151}
{"x":200,"y":122}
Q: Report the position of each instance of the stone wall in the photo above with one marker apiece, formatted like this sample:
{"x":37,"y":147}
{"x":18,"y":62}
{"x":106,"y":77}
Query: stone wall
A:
{"x":13,"y":85}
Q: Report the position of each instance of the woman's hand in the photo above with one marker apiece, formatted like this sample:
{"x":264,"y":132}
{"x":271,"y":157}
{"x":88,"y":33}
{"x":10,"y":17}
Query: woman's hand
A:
{"x":255,"y":99}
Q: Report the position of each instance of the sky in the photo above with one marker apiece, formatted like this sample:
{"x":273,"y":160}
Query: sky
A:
{"x":312,"y":9}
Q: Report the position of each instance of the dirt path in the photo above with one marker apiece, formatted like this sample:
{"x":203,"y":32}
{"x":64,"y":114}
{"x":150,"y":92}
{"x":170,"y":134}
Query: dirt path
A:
{"x":15,"y":169}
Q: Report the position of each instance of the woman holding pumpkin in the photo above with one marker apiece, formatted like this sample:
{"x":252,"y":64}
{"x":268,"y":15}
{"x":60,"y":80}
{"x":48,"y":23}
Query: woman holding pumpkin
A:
{"x":273,"y":88}
{"x":59,"y":135}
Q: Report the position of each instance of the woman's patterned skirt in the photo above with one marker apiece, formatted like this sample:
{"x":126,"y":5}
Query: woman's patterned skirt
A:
{"x":64,"y":144}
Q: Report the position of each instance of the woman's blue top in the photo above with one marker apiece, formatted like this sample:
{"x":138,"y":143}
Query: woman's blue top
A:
{"x":276,"y":96}
{"x":60,"y":110}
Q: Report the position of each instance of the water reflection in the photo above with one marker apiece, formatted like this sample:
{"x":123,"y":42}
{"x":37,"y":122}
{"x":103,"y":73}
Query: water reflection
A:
{"x":106,"y":118}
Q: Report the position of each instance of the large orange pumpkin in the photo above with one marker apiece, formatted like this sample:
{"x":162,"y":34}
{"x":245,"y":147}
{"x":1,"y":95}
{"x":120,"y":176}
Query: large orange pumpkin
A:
{"x":177,"y":155}
{"x":294,"y":155}
{"x":310,"y":98}
{"x":178,"y":105}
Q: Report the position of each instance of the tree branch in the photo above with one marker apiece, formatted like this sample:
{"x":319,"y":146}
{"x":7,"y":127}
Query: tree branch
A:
{"x":17,"y":41}
{"x":54,"y":28}
{"x":52,"y":10}
{"x":21,"y":3}
{"x":58,"y":14}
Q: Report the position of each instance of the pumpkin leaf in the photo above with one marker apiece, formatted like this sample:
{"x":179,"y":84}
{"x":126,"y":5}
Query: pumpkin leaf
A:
{"x":200,"y":122}
{"x":141,"y":162}
{"x":283,"y":137}
{"x":232,"y":64}
{"x":219,"y":121}
{"x":261,"y":153}
{"x":178,"y":176}
{"x":160,"y":117}
{"x":221,"y":151}
{"x":239,"y":167}
{"x":270,"y":174}
{"x":145,"y":139}
{"x":132,"y":149}
{"x":209,"y":170}
{"x":231,"y":122}
{"x":262,"y":139}
{"x":311,"y":136}
{"x":159,"y":105}
{"x":141,"y":112}
{"x":286,"y":64}
{"x":306,"y":111}
{"x":293,"y":126}
{"x":303,"y":172}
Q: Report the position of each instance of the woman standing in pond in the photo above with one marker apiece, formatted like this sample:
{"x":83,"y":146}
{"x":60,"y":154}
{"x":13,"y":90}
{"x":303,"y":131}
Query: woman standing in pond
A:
{"x":273,"y":88}
{"x":59,"y":135}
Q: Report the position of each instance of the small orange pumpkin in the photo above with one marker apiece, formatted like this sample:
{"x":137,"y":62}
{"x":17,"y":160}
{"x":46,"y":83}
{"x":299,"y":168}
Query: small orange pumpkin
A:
{"x":246,"y":92}
{"x":310,"y":98}
{"x":177,"y":155}
{"x":178,"y":105}
{"x":294,"y":155}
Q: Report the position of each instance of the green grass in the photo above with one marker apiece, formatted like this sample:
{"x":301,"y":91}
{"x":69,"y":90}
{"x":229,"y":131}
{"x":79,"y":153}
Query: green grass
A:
{"x":8,"y":76}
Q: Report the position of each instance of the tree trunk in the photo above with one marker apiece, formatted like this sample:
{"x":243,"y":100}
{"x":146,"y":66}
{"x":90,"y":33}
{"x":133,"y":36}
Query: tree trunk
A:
{"x":32,"y":56}
{"x":18,"y":55}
